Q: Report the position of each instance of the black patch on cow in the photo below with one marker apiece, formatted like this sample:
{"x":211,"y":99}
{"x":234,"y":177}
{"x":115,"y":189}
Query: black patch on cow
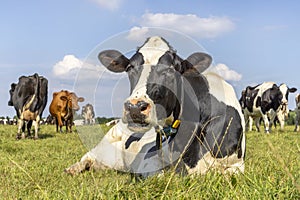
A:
{"x":258,"y":103}
{"x":22,"y":93}
{"x":162,"y":86}
{"x":134,"y":69}
{"x":271,"y":99}
{"x":250,"y":96}
{"x":134,"y":137}
{"x":220,"y":131}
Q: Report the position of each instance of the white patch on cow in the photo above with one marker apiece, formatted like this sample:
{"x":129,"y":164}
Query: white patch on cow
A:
{"x":153,"y":50}
{"x":113,"y":142}
{"x":284,"y":89}
{"x":229,"y":164}
{"x":223,"y":91}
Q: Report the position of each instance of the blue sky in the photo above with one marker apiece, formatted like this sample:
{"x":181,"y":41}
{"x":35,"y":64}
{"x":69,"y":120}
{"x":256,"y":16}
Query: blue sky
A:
{"x":250,"y":42}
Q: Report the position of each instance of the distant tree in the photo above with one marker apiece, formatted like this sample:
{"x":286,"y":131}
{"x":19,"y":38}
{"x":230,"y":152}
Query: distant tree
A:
{"x":103,"y":120}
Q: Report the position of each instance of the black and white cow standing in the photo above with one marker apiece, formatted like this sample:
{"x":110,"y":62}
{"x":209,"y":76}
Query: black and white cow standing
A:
{"x":88,"y":114}
{"x":297,"y":111}
{"x":29,"y":98}
{"x":266,"y":101}
{"x":164,"y":89}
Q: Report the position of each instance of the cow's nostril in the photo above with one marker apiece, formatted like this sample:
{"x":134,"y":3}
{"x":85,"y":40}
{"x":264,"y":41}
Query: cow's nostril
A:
{"x":143,"y":105}
{"x":127,"y":106}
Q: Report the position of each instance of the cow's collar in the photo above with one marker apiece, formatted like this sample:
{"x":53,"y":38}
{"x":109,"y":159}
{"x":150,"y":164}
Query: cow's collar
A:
{"x":166,"y":132}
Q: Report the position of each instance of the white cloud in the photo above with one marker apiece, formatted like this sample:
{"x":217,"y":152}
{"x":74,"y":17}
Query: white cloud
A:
{"x":138,"y":33}
{"x":226,"y":73}
{"x":109,"y":4}
{"x":190,"y":24}
{"x":69,"y":65}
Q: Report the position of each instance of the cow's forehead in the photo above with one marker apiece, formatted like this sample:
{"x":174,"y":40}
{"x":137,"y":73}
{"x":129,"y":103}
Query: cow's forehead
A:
{"x":153,"y":49}
{"x":283,"y":88}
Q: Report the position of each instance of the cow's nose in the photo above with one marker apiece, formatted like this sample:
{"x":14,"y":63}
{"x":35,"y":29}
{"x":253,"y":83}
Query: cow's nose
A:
{"x":137,"y":111}
{"x":136,"y":106}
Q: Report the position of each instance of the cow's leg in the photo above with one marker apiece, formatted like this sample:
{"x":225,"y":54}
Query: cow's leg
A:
{"x":266,"y":123}
{"x":257,"y":124}
{"x":59,"y":123}
{"x":36,"y":127}
{"x":87,"y":162}
{"x":28,"y":126}
{"x":297,"y":122}
{"x":70,"y":121}
{"x":21,"y":127}
{"x":250,"y":123}
{"x":247,"y":120}
{"x":56,"y":123}
{"x":281,"y":117}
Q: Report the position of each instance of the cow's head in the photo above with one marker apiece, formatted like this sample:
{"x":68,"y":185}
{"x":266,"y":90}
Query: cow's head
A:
{"x":72,"y":100}
{"x":11,"y":92}
{"x":285,"y":90}
{"x":154,"y":73}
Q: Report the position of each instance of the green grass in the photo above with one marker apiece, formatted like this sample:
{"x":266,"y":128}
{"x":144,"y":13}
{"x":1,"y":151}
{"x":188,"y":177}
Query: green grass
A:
{"x":33,"y":169}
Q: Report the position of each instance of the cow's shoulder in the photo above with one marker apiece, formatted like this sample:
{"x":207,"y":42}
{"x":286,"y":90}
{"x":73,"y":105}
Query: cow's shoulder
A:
{"x":221,"y":90}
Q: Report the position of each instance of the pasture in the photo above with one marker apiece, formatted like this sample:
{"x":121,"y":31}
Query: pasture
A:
{"x":34,"y":169}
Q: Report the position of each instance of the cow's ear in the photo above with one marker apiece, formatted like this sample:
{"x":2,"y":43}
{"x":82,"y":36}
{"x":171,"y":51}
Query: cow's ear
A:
{"x":80,"y":99}
{"x":64,"y":98}
{"x":54,"y":94}
{"x":113,"y":60}
{"x":197,"y":63}
{"x":292,"y":90}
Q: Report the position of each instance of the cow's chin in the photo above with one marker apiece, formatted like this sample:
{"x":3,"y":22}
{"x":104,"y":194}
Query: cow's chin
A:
{"x":140,"y":128}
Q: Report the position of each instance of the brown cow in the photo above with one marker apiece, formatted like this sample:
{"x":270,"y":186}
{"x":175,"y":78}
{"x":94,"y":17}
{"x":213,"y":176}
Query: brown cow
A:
{"x":63,"y":104}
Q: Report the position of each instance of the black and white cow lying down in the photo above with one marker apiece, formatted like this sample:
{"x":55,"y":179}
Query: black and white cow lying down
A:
{"x":266,"y":101}
{"x":165,"y":89}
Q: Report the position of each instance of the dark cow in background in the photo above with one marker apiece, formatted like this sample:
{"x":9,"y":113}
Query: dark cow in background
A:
{"x":63,"y":104}
{"x":50,"y":120}
{"x":297,"y":111}
{"x":88,"y":114}
{"x":266,"y":101}
{"x":197,"y":113}
{"x":29,"y":98}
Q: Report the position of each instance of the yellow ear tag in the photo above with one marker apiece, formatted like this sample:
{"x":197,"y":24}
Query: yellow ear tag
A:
{"x":176,"y":123}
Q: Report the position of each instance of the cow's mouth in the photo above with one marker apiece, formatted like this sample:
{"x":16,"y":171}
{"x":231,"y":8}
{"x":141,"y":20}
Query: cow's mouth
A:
{"x":138,"y":127}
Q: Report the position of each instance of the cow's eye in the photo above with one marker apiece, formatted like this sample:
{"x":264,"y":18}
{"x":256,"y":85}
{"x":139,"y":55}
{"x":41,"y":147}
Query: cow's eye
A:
{"x":129,"y":67}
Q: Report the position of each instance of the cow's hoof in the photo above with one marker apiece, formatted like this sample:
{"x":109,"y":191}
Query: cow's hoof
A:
{"x":18,"y":137}
{"x":74,"y":169}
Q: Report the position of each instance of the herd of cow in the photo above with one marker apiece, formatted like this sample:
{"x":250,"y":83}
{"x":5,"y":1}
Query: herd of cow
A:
{"x":29,"y":98}
{"x":178,"y":112}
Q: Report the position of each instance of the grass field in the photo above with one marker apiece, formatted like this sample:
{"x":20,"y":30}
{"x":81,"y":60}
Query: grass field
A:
{"x":33,"y":169}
